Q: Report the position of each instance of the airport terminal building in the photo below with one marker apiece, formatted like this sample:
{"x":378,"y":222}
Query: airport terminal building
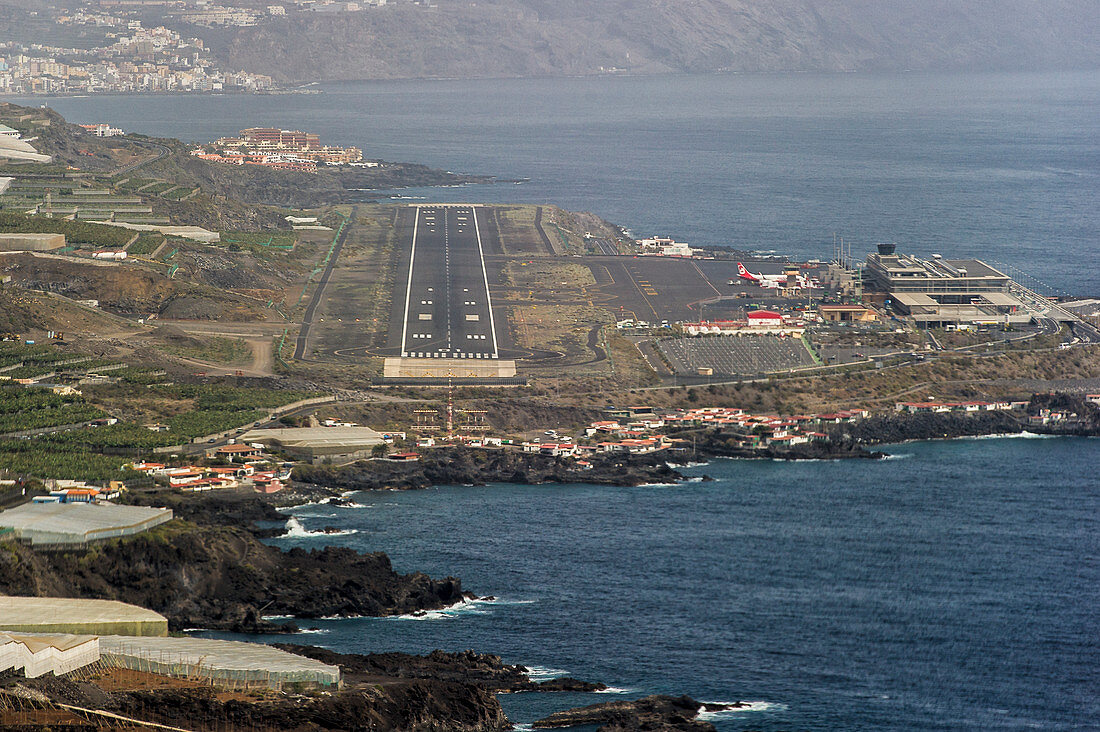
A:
{"x":938,"y":292}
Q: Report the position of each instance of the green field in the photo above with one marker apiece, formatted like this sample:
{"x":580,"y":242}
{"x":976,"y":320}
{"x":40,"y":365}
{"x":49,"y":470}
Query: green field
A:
{"x":76,"y":232}
{"x":146,"y":244}
{"x":260,"y":239}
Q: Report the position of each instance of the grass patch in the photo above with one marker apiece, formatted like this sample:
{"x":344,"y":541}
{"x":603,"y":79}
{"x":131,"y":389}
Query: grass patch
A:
{"x":215,"y":349}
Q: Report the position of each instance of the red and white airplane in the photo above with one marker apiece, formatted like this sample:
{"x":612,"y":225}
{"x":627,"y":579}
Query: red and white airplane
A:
{"x":776,"y":282}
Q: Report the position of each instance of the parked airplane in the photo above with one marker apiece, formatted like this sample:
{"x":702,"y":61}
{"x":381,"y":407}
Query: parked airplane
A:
{"x":776,"y":282}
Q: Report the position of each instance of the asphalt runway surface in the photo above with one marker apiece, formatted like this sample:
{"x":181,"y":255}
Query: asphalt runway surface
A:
{"x":446,"y":311}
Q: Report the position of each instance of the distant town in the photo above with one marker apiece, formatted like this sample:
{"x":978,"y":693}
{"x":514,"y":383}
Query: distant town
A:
{"x":135,"y":57}
{"x":139,"y":60}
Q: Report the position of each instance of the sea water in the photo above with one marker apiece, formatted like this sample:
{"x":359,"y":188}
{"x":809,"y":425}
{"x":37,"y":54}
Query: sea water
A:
{"x":952,"y":587}
{"x":1001,"y":166}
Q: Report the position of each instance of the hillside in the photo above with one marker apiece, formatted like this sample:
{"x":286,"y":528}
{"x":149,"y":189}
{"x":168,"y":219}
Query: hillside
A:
{"x":540,"y":37}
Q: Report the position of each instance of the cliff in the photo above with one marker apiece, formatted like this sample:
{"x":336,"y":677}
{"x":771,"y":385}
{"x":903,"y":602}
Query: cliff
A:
{"x":222,"y":577}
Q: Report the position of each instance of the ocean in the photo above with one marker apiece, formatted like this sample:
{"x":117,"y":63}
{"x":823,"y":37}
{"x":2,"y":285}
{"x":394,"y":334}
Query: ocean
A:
{"x":1001,"y":166}
{"x":952,"y":587}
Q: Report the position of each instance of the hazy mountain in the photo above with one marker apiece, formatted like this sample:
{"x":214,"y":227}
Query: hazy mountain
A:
{"x":550,"y":37}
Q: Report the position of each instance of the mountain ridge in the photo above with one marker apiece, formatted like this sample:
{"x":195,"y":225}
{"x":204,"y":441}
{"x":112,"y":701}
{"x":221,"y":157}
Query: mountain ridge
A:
{"x":518,"y":38}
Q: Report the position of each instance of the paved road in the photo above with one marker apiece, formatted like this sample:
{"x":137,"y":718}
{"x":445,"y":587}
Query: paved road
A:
{"x":161,"y":150}
{"x":319,"y":293}
{"x":447,"y":312}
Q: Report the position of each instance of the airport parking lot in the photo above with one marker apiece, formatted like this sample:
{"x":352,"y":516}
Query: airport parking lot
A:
{"x":734,"y":355}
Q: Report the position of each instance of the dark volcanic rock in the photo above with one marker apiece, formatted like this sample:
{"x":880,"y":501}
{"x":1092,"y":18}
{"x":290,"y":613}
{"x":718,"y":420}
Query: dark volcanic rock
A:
{"x":224,"y":578}
{"x":567,"y":683}
{"x":903,"y":427}
{"x":460,"y":465}
{"x":409,"y":705}
{"x":481,"y":669}
{"x":651,"y":713}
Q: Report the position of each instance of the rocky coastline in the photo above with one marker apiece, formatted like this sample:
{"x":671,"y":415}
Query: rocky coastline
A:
{"x":381,"y":691}
{"x":471,"y":466}
{"x":902,"y":427}
{"x":655,"y":712}
{"x":209,"y":569}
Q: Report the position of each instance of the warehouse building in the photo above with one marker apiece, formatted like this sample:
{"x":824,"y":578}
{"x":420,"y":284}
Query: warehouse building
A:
{"x":317,"y":443}
{"x":79,"y":523}
{"x":16,"y":242}
{"x":78,"y":616}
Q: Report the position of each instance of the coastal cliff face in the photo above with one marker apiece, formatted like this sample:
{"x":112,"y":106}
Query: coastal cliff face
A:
{"x":223,"y":578}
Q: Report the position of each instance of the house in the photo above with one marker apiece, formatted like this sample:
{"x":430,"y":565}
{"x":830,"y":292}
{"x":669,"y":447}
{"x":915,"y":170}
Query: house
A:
{"x":235,"y":472}
{"x":76,"y":495}
{"x":184,"y":478}
{"x":557,"y":449}
{"x":266,"y":483}
{"x":234,"y":452}
{"x":405,"y":457}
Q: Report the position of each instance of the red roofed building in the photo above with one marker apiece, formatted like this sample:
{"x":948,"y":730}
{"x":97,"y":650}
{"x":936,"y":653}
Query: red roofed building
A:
{"x":764,"y":319}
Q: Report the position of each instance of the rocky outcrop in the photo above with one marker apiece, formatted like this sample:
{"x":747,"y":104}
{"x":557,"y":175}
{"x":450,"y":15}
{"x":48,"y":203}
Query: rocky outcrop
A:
{"x":224,"y":578}
{"x":480,"y":669}
{"x":902,"y":427}
{"x":651,"y":713}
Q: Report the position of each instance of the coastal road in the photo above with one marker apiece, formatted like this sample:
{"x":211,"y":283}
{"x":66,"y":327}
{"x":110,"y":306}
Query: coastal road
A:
{"x":447,"y":311}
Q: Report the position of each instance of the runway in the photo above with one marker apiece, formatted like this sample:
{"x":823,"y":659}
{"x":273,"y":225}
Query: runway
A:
{"x":447,"y":310}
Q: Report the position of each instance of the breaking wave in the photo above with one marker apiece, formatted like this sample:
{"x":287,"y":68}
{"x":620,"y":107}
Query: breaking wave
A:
{"x":739,"y":707}
{"x":544,"y":673}
{"x":295,"y":530}
{"x":477,"y":606}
